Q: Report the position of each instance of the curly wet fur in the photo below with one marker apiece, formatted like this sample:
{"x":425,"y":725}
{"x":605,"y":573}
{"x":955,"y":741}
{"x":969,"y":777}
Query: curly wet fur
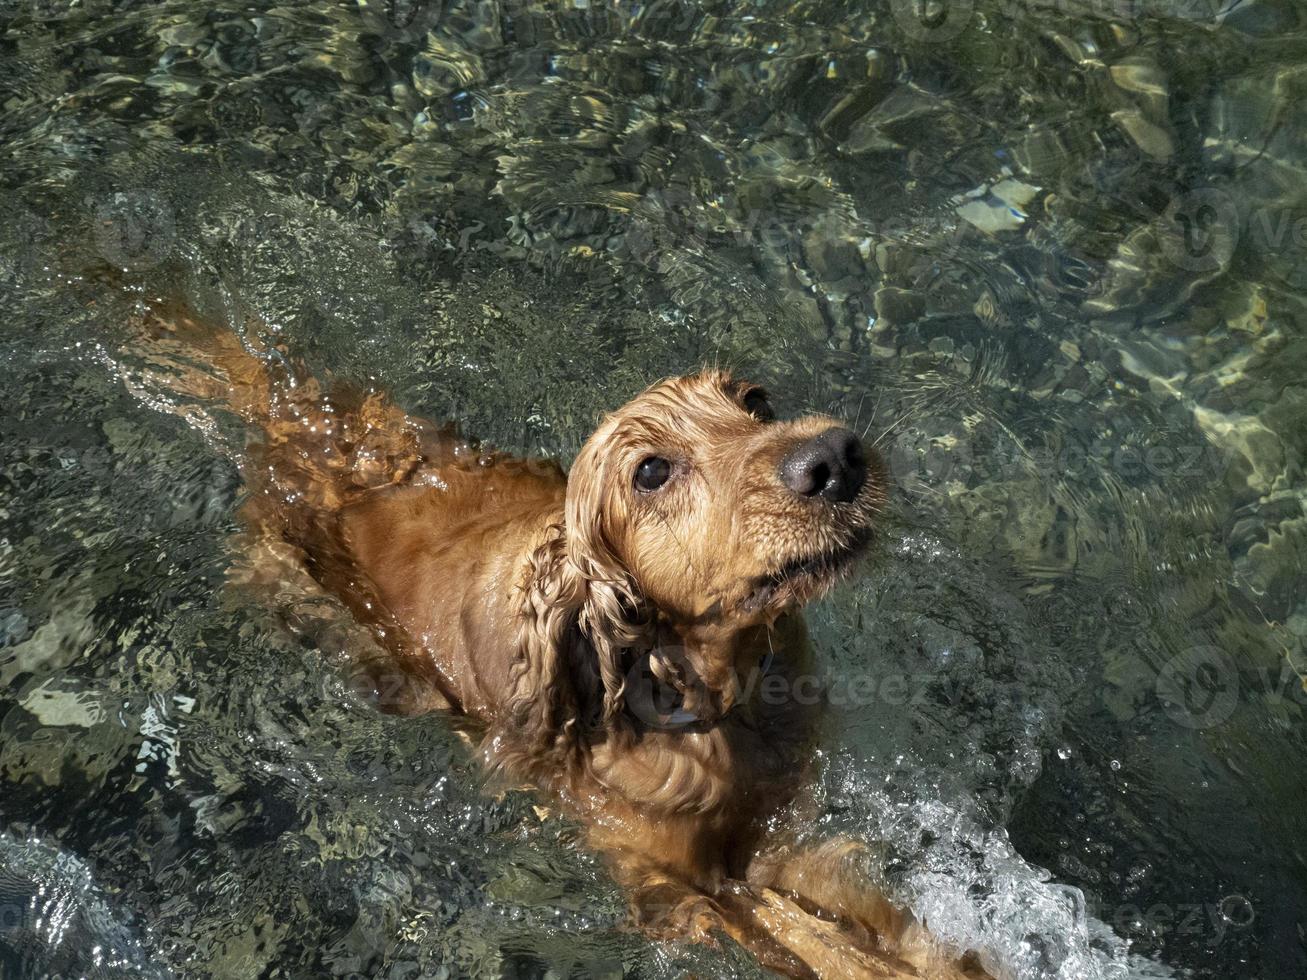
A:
{"x":551,"y":611}
{"x":580,"y":612}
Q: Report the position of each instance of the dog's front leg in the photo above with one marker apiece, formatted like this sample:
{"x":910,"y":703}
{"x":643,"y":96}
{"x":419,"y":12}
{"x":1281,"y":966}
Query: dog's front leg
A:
{"x":777,"y":931}
{"x":664,"y":908}
{"x":830,"y":880}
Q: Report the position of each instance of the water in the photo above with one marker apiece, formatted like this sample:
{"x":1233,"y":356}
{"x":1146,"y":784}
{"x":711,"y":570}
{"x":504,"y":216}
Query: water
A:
{"x":1048,"y":254}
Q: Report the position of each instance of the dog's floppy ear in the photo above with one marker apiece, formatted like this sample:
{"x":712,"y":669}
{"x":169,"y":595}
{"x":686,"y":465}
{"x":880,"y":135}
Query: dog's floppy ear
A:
{"x":544,"y":701}
{"x":582,"y":610}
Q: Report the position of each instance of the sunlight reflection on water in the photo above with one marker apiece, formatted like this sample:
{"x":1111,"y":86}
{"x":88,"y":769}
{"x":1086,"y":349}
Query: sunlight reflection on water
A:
{"x":1048,"y":255}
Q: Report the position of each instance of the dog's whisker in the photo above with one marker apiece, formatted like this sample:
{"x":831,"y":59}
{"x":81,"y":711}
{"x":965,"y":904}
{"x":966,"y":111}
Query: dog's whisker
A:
{"x":875,"y":413}
{"x":875,"y":410}
{"x":923,"y":491}
{"x":857,"y":416}
{"x":890,"y":428}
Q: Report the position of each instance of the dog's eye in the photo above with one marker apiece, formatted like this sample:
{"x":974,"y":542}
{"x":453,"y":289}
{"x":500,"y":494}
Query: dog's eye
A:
{"x":757,"y":405}
{"x":652,"y":473}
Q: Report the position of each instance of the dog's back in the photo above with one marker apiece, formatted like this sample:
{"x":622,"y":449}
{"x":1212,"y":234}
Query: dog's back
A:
{"x":388,"y":513}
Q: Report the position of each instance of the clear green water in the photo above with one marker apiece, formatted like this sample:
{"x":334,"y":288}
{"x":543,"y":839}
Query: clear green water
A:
{"x":1048,"y":254}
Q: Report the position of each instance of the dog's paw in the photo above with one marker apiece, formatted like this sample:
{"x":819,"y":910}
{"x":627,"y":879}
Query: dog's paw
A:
{"x":670,"y":911}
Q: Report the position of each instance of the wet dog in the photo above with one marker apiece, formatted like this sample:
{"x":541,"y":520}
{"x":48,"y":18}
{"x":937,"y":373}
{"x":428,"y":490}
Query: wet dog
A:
{"x":626,"y":637}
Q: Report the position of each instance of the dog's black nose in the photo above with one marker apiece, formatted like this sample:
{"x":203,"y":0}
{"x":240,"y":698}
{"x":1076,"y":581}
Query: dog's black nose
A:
{"x":830,"y":465}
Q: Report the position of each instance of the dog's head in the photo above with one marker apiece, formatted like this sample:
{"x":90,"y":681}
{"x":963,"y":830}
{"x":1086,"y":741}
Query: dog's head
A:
{"x":694,"y":515}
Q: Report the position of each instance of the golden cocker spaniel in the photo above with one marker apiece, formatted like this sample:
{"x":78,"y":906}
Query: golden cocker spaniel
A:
{"x":627,"y":637}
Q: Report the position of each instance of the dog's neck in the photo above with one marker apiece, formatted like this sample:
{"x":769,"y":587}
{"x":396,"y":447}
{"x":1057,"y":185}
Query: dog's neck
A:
{"x":697,"y":674}
{"x":700,"y":736}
